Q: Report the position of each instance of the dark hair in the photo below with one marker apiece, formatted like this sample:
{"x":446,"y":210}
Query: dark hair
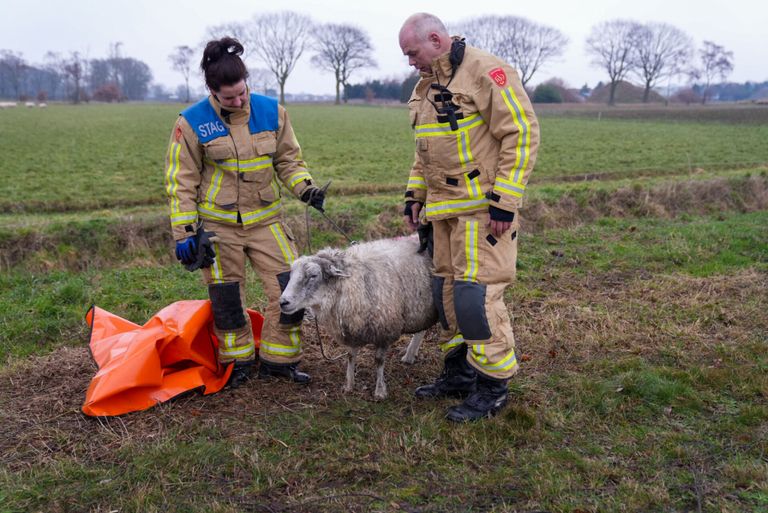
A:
{"x":222,"y":64}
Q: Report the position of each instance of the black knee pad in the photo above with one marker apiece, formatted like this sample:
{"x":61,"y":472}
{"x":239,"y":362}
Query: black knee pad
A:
{"x":296,"y":317}
{"x":469,"y":302}
{"x":437,"y":297}
{"x":226,"y":304}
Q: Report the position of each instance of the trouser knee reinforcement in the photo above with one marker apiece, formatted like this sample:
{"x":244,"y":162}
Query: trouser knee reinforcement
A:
{"x":469,"y":301}
{"x":227,"y":306}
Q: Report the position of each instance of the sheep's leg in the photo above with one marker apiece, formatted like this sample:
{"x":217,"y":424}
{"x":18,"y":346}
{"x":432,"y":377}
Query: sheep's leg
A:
{"x":381,"y":387}
{"x":413,"y":347}
{"x":351,"y":356}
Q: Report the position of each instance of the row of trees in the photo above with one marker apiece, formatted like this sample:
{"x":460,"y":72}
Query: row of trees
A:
{"x":280,"y":40}
{"x":652,"y":52}
{"x":74,"y":77}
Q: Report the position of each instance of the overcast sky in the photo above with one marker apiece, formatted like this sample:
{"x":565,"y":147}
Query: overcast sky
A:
{"x":150,"y":29}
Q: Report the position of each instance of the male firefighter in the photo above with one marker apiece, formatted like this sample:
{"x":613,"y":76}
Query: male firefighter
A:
{"x":226,"y":155}
{"x":476,"y":143}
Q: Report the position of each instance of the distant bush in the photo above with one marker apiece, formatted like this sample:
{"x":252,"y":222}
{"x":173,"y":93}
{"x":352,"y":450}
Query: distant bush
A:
{"x":547,"y":93}
{"x":107,"y":93}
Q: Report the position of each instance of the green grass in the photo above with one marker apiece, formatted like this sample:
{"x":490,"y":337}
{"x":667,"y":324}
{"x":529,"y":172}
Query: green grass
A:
{"x":640,"y":320}
{"x":113,"y":155}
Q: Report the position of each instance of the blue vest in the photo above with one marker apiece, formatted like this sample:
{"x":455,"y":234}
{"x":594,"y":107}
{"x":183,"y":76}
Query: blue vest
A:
{"x":208,"y":125}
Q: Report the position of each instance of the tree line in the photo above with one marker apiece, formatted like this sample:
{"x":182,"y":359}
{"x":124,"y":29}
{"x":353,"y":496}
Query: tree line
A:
{"x":624,"y":49}
{"x":74,"y":77}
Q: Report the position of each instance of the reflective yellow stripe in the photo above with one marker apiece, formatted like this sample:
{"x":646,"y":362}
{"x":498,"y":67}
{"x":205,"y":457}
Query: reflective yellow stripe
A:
{"x":504,"y":186}
{"x":509,"y":362}
{"x":172,"y":183}
{"x":216,"y":273}
{"x":473,"y":187}
{"x":262,"y":213}
{"x":295,"y":335}
{"x":417,"y":182}
{"x":180,"y":218}
{"x":438,"y":129}
{"x":237,"y":351}
{"x":278,"y":349}
{"x":522,"y":150}
{"x":215,"y":186}
{"x":242,"y":166}
{"x":470,"y":248}
{"x":453,"y":206}
{"x":282,"y":242}
{"x":455,"y":341}
{"x":299,"y":177}
{"x":209,"y":211}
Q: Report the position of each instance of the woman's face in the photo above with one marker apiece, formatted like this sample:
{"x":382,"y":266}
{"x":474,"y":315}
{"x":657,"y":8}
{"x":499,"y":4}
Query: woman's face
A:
{"x":233,"y":95}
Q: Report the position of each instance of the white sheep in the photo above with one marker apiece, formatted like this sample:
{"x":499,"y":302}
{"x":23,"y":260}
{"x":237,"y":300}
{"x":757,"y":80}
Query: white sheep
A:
{"x":370,"y":293}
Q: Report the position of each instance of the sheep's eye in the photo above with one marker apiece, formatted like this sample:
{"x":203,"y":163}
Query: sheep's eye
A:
{"x":314,"y":276}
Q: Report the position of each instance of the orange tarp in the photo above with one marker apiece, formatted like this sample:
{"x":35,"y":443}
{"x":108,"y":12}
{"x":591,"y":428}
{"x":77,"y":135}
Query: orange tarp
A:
{"x":140,"y":366}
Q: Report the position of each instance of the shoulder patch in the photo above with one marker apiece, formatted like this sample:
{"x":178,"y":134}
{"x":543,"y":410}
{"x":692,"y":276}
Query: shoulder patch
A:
{"x":498,"y":76}
{"x":177,"y":133}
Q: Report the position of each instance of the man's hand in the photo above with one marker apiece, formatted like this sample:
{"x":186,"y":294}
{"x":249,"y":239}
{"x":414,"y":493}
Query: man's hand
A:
{"x":499,"y":220}
{"x":498,"y":227}
{"x":411,"y":214}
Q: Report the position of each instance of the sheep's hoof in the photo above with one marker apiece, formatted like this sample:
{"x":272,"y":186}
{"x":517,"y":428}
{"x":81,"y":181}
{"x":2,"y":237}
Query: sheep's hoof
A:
{"x":347,"y":389}
{"x":380,"y":394}
{"x":410,"y":360}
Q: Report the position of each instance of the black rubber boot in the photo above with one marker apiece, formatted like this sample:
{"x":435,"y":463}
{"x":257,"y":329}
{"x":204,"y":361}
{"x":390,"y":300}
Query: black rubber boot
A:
{"x":283,"y":370}
{"x":457,"y":379}
{"x":240,"y":374}
{"x":491,"y":396}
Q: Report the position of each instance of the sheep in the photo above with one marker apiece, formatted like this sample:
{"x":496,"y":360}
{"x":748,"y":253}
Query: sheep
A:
{"x":370,"y":293}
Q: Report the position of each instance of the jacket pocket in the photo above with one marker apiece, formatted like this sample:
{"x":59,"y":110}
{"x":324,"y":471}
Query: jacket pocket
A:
{"x":259,"y":169}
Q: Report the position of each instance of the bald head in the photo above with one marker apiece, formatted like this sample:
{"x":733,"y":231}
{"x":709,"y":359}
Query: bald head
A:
{"x":422,"y":24}
{"x":422,"y":38}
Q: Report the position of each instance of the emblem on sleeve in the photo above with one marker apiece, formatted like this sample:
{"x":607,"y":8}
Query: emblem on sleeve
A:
{"x":498,"y":76}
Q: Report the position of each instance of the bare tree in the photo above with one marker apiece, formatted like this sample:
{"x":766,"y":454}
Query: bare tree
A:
{"x":279,"y":39}
{"x":75,"y":69}
{"x":236,"y":30}
{"x":181,"y":61}
{"x":341,"y":49}
{"x":612,"y":45}
{"x":716,"y":62}
{"x":525,"y":44}
{"x":662,"y":50}
{"x":13,"y":68}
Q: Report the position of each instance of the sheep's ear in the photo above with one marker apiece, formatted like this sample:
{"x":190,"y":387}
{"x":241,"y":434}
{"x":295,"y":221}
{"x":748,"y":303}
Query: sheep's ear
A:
{"x":334,"y":270}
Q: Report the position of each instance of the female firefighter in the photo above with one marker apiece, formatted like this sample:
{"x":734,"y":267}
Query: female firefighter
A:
{"x":226,"y":155}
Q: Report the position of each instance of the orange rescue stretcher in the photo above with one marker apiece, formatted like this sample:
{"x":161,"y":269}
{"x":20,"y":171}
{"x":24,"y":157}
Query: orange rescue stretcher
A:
{"x":140,"y":366}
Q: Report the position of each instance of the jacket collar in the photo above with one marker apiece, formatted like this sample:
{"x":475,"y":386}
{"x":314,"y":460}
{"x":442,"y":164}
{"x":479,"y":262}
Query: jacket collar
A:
{"x":236,"y":116}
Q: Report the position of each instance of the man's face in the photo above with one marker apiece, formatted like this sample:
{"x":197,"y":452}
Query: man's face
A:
{"x":419,"y":50}
{"x":232,"y":96}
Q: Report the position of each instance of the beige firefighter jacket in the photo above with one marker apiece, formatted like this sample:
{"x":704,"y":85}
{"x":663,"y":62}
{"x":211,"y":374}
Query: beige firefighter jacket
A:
{"x":489,"y":159}
{"x":232,"y":179}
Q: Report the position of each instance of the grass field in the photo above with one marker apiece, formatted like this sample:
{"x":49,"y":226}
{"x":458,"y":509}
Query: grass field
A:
{"x":640,"y":314}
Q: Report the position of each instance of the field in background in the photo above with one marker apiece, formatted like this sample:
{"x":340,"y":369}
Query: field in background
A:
{"x":641,"y":314}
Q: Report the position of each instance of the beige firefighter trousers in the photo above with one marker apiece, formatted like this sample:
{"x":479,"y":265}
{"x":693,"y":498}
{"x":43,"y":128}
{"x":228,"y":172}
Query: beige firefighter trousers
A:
{"x":472,"y":269}
{"x":271,"y":250}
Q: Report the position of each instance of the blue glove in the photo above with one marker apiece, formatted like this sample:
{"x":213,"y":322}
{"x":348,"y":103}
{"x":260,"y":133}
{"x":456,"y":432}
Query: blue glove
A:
{"x":186,"y":250}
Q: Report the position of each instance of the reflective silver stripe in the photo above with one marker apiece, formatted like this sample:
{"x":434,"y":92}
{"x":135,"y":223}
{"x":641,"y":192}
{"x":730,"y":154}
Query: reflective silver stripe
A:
{"x":470,"y":247}
{"x":240,"y":351}
{"x":514,"y":190}
{"x":210,"y":211}
{"x":445,"y":128}
{"x":447,"y":207}
{"x":278,"y":349}
{"x":455,"y":341}
{"x":183,"y":218}
{"x":259,"y":215}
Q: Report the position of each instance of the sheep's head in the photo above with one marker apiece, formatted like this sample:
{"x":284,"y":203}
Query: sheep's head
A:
{"x":310,"y":276}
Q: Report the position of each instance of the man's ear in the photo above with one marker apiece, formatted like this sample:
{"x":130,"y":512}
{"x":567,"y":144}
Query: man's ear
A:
{"x":434,"y":38}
